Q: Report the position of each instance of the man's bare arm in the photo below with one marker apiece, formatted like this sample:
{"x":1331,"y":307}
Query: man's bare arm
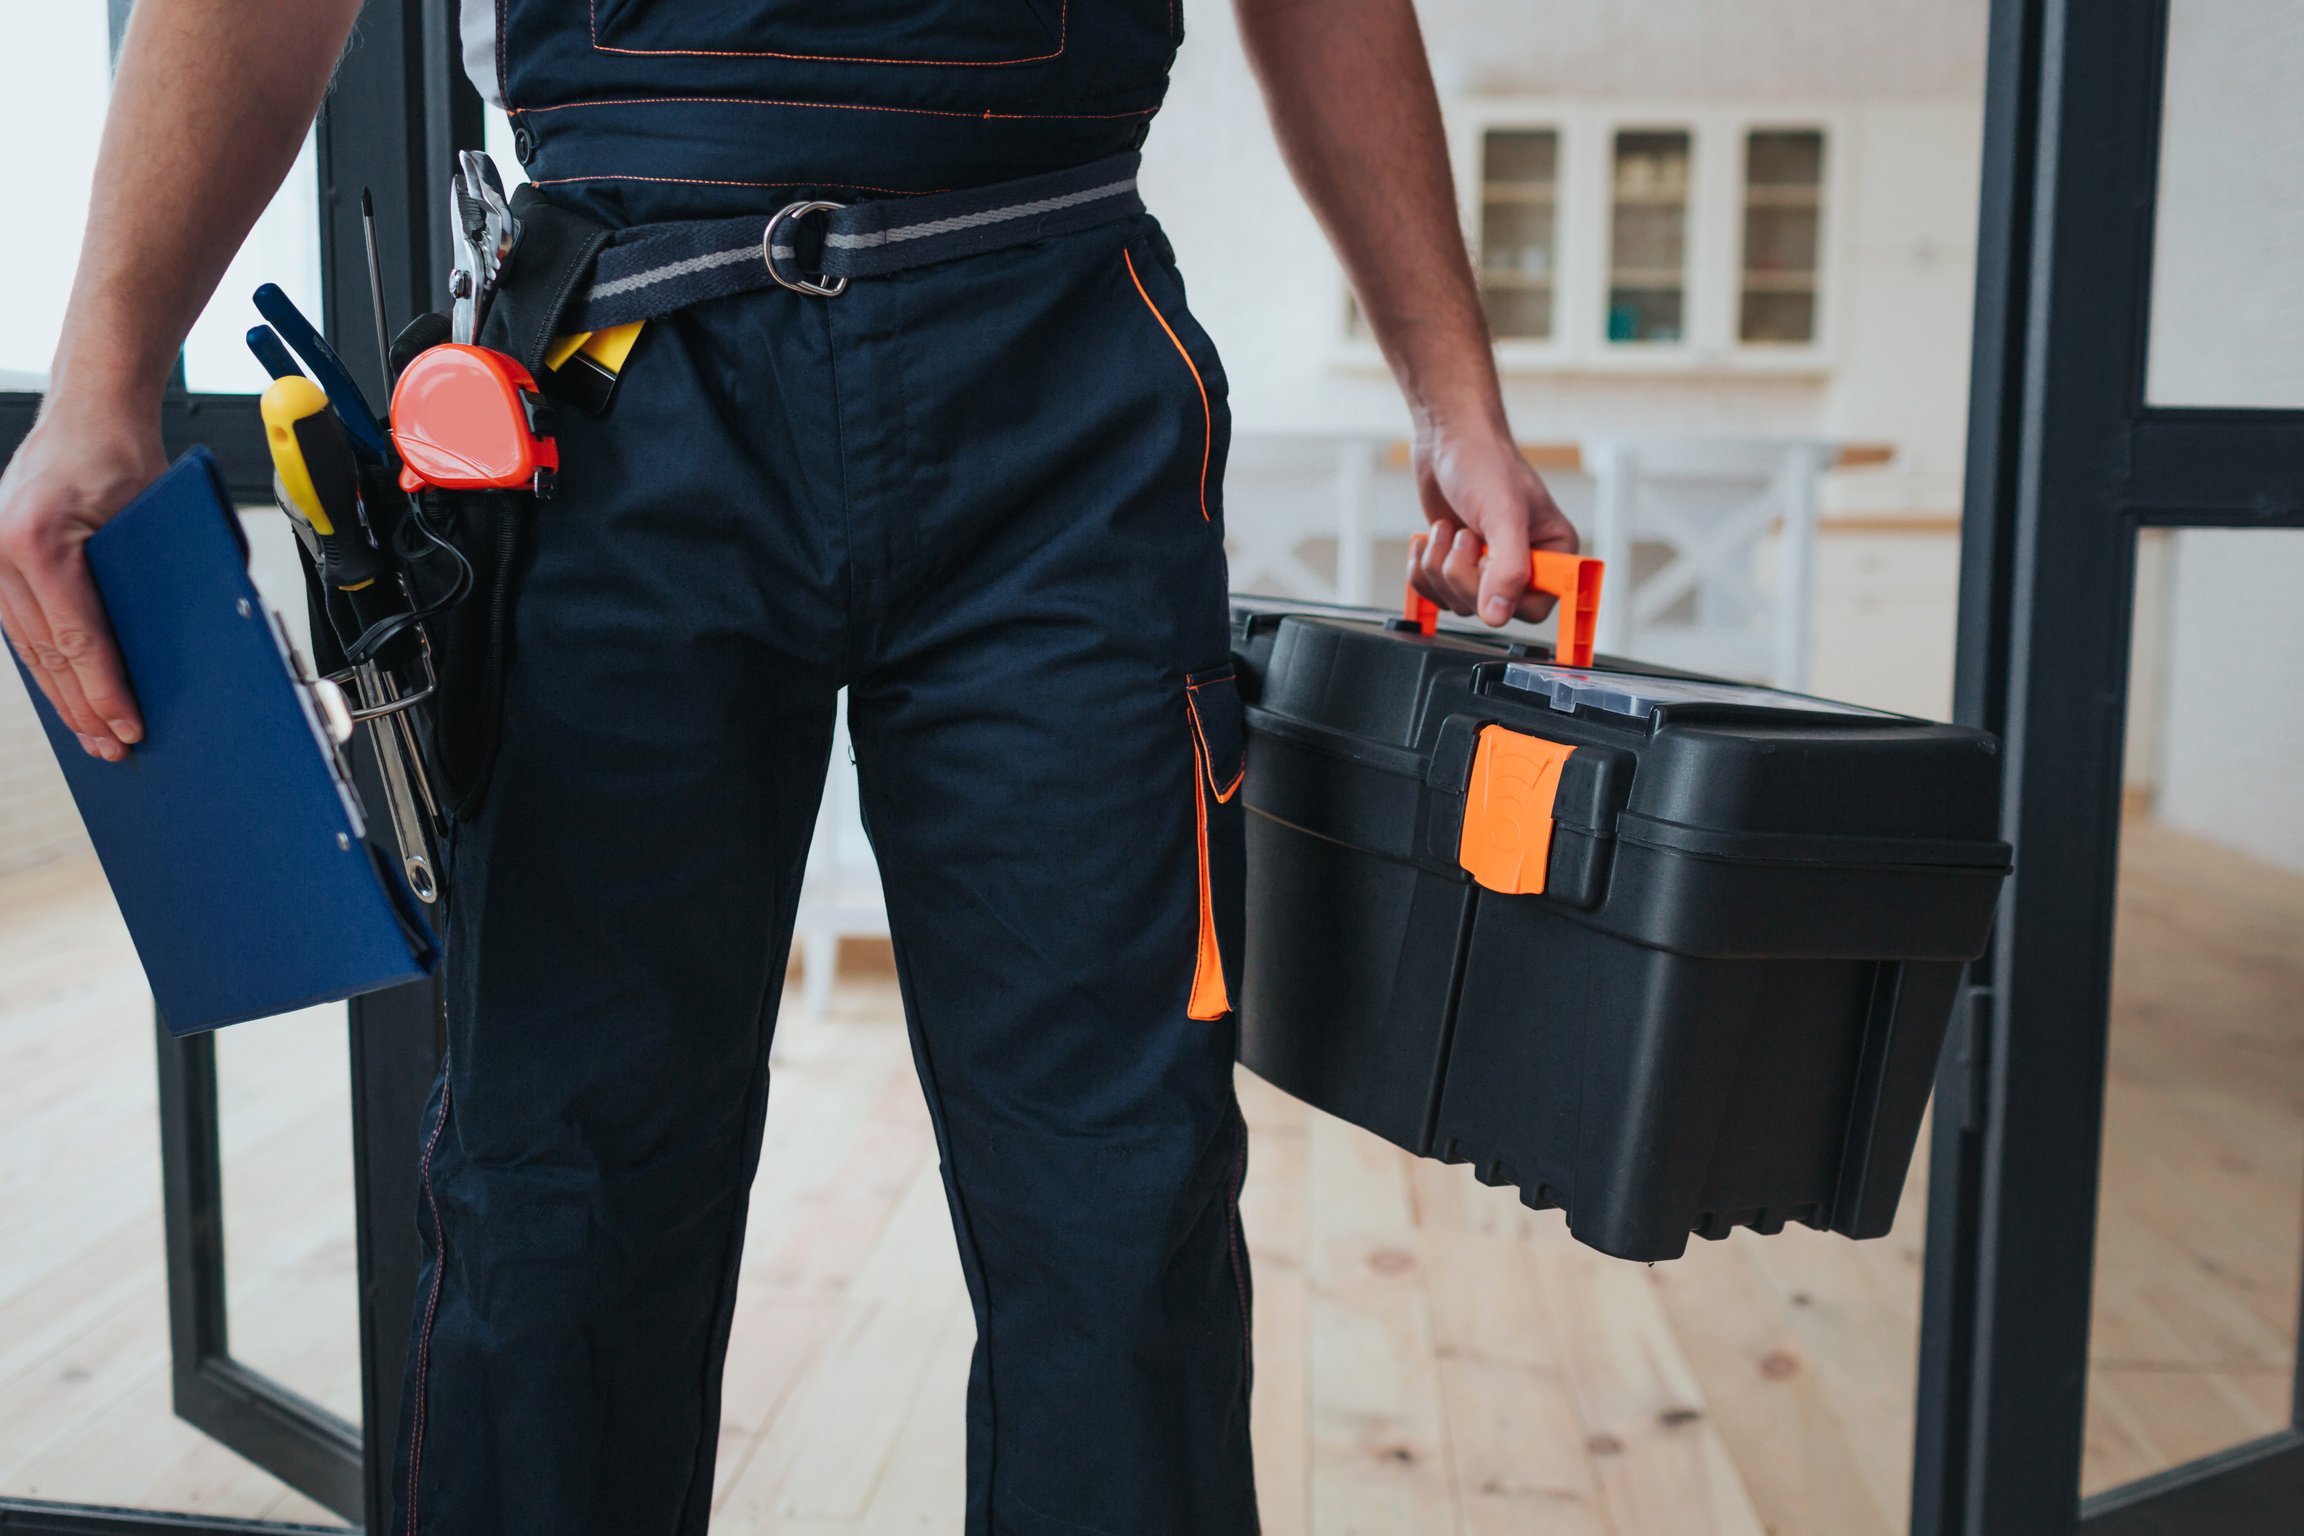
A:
{"x":1351,"y":98}
{"x":209,"y":106}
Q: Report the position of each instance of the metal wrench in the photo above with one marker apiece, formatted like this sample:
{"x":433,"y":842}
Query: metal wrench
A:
{"x":485,"y":235}
{"x":378,"y":693}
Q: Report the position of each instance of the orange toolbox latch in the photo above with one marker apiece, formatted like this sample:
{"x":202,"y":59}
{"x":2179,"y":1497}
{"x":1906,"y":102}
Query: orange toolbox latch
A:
{"x":1506,"y":844}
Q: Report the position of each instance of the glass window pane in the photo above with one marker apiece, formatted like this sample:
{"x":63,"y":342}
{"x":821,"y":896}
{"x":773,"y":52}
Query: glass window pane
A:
{"x":283,"y":248}
{"x":2193,"y":1329}
{"x":1783,"y":214}
{"x":57,"y":106}
{"x":1519,"y":192}
{"x":1648,"y":247}
{"x":291,"y":1281}
{"x":2228,"y":264}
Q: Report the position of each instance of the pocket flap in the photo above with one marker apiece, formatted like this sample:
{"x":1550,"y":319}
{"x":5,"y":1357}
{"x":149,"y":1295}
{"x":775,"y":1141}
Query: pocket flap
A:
{"x":1220,"y":723}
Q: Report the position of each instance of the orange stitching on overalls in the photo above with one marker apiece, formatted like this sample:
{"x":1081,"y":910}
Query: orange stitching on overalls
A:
{"x":1209,"y":999}
{"x":833,"y":106}
{"x":705,"y":181}
{"x":1207,"y":412}
{"x":431,"y":1305}
{"x":1063,"y":24}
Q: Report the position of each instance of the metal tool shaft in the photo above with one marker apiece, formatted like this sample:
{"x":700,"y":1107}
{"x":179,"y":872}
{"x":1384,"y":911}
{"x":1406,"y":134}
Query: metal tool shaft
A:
{"x":399,"y":800}
{"x":376,"y":291}
{"x":414,"y":754}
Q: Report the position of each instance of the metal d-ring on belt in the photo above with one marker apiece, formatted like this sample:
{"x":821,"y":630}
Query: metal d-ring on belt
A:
{"x":816,"y":247}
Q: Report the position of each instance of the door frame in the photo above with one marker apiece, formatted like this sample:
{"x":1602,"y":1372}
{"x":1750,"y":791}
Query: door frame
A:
{"x":2067,"y":463}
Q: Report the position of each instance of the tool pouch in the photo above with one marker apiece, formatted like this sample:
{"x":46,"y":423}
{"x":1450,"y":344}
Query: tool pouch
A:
{"x":549,"y":266}
{"x":472,"y":640}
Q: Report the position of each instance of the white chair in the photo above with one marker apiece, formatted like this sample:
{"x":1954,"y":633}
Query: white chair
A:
{"x":1288,"y":492}
{"x":1711,"y":551}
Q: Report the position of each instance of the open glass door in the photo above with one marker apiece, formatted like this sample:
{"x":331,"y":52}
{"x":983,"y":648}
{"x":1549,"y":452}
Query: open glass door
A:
{"x":2118,"y":1166}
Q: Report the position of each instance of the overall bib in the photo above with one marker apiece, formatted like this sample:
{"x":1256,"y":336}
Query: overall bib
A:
{"x":985,"y":496}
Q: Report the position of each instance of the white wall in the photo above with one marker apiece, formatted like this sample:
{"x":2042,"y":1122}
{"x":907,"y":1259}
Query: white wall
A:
{"x":1904,"y":74}
{"x":1765,"y":49}
{"x":2232,"y":731}
{"x":1910,"y":270}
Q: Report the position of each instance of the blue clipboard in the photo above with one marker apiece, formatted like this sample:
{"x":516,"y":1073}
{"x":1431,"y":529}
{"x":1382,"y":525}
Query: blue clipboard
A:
{"x":234,"y":844}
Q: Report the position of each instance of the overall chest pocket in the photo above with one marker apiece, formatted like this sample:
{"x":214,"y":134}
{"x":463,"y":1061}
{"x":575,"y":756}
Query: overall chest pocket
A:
{"x":961,"y":33}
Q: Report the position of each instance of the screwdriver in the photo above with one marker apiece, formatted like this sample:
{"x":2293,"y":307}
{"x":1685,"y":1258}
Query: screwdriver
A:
{"x":312,"y":460}
{"x":318,"y":481}
{"x":367,"y":434}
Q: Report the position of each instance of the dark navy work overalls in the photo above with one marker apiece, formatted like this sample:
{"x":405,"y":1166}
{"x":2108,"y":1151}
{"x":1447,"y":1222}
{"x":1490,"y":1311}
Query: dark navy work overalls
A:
{"x":985,"y":496}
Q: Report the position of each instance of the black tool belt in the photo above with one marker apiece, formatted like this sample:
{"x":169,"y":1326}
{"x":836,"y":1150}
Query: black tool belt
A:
{"x":816,"y":247}
{"x":569,"y":274}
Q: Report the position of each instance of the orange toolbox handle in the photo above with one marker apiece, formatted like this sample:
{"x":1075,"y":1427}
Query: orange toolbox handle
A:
{"x":1574,"y":579}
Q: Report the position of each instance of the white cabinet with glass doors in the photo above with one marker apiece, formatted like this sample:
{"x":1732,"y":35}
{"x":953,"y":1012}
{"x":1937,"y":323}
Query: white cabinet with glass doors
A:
{"x":1669,"y":240}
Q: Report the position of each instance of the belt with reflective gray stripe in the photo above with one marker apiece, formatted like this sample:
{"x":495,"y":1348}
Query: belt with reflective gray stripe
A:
{"x":816,"y":247}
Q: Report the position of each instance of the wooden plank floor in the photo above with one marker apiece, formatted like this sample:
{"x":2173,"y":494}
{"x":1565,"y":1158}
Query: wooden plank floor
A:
{"x":1432,"y":1357}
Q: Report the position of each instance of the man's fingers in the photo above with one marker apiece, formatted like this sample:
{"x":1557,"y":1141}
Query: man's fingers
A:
{"x":28,"y":637}
{"x":1461,"y":571}
{"x":20,"y":642}
{"x":34,"y":641}
{"x":1504,"y":574}
{"x":82,"y":634}
{"x":1417,"y":579}
{"x":1427,"y":565}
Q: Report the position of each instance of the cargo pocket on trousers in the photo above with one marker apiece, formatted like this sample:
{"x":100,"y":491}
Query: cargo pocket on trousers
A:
{"x":472,"y":640}
{"x":1219,"y":761}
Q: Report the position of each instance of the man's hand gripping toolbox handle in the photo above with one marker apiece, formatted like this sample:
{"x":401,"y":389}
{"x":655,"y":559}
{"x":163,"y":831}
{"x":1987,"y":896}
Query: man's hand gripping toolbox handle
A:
{"x":1574,"y":579}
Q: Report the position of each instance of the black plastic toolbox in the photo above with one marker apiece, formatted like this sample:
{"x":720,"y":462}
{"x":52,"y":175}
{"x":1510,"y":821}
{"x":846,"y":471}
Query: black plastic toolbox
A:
{"x":1704,"y":973}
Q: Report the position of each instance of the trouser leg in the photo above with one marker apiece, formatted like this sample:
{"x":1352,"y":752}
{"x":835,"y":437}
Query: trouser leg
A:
{"x":1092,"y":1149}
{"x":1038,"y":789}
{"x":620,"y":914}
